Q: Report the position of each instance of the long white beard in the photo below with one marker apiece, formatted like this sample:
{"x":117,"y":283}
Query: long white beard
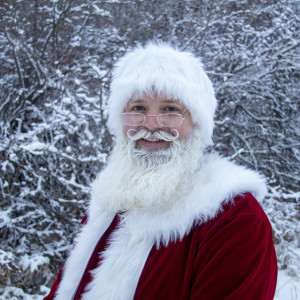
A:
{"x":136,"y":180}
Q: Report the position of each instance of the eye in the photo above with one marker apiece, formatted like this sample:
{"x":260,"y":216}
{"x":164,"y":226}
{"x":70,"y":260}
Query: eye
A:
{"x":138,"y":108}
{"x":171,"y":109}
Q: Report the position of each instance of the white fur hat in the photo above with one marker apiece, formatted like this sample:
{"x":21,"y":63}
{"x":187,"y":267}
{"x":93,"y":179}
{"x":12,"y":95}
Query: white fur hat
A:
{"x":166,"y":70}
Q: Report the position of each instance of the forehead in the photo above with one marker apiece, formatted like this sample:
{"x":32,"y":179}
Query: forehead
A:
{"x":154,"y":99}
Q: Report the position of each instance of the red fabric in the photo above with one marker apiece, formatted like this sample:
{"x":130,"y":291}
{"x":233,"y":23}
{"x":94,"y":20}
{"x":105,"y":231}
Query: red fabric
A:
{"x":95,"y":259}
{"x":231,"y":257}
{"x":93,"y":263}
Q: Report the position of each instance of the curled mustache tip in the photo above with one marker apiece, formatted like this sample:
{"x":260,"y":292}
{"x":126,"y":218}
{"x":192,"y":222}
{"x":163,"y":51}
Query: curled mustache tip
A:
{"x":176,"y":133}
{"x":131,"y":132}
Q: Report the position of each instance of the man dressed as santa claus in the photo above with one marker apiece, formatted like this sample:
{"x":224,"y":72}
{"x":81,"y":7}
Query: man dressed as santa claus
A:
{"x":168,"y":220}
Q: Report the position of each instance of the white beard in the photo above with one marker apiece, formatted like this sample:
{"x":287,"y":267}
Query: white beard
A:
{"x":136,"y":179}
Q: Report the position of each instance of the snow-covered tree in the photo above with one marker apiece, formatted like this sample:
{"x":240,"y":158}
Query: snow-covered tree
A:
{"x":56,"y":62}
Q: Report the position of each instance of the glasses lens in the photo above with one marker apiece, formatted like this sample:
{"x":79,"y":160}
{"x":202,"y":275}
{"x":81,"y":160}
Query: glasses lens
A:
{"x":169,"y":120}
{"x":132,"y":119}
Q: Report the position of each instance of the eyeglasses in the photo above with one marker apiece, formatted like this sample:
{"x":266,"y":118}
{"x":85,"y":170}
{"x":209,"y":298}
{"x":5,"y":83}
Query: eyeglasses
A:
{"x":137,"y":119}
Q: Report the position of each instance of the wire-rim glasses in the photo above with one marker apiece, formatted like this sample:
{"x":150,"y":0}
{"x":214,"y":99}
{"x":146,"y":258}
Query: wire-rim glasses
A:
{"x":138,"y":119}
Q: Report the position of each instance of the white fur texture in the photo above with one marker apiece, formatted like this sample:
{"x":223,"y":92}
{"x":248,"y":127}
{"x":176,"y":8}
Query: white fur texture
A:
{"x":161,"y":68}
{"x":85,"y":243}
{"x":218,"y":181}
{"x":127,"y":252}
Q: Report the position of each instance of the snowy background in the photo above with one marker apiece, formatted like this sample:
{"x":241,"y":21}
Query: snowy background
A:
{"x":56,"y":61}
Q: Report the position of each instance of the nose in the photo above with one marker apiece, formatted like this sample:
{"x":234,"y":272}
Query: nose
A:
{"x":151,"y":123}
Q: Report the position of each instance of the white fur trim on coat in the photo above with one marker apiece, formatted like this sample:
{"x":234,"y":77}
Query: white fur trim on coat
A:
{"x":217,"y":182}
{"x":85,"y":244}
{"x":176,"y":74}
{"x":128,"y":251}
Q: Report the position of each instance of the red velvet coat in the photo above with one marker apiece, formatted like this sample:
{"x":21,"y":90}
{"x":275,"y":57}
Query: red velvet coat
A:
{"x":229,"y":257}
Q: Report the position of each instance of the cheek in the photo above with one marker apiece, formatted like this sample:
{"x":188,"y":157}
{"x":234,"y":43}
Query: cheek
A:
{"x":182,"y":132}
{"x":185,"y":129}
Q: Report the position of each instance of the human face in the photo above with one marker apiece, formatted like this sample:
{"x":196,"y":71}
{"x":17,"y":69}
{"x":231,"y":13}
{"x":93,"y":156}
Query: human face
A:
{"x":151,"y":106}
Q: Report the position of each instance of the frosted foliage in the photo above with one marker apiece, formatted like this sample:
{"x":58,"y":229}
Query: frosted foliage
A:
{"x":56,"y":62}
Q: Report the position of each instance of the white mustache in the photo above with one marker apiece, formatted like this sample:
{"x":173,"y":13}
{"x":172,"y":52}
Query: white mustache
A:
{"x":145,"y":134}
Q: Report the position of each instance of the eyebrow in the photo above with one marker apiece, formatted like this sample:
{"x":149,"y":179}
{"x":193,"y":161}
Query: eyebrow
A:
{"x":174,"y":102}
{"x":171,"y":101}
{"x":164,"y":101}
{"x":136,"y":101}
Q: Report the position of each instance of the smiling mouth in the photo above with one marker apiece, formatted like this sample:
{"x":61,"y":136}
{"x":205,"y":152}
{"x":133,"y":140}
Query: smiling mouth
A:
{"x":152,"y":143}
{"x":152,"y":139}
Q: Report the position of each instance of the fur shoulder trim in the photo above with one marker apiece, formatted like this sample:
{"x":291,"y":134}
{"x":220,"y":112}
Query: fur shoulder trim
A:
{"x":217,"y":182}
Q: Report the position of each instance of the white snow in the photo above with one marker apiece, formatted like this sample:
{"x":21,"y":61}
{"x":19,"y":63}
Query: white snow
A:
{"x":33,"y":262}
{"x":288,"y":288}
{"x":5,"y":257}
{"x":14,"y":293}
{"x":35,"y":147}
